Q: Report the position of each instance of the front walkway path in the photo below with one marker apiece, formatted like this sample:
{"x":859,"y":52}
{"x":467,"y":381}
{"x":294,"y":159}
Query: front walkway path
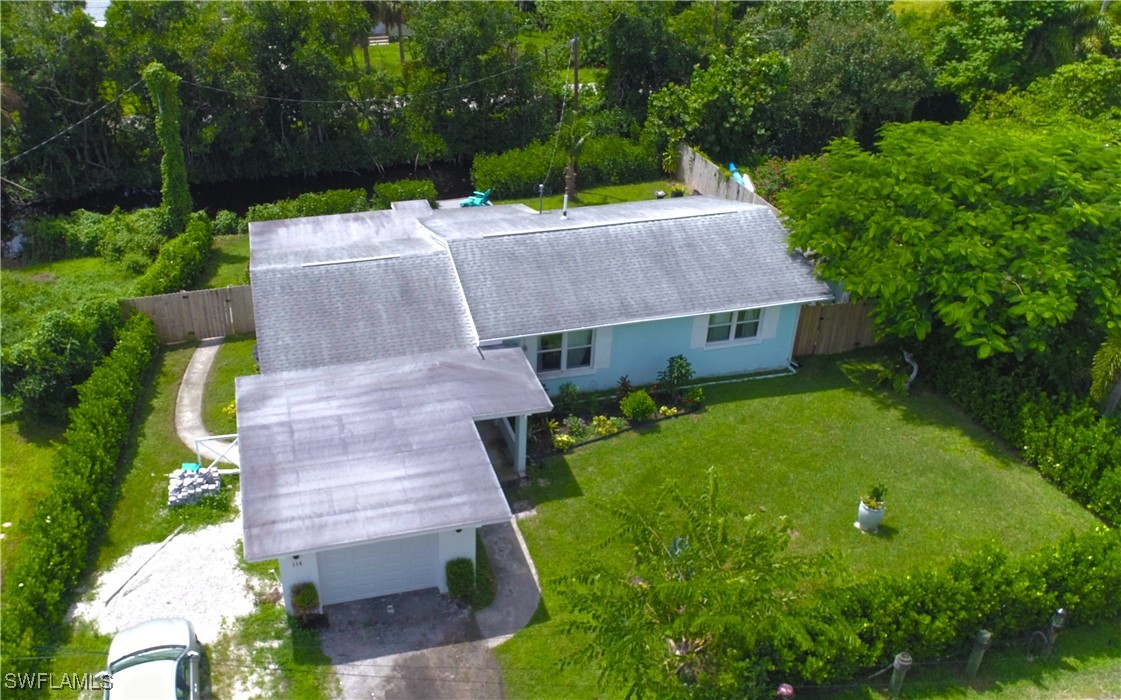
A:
{"x":188,"y":406}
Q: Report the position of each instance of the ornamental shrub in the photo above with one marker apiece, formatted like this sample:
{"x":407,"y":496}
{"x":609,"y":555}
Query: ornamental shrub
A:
{"x":576,"y":427}
{"x":677,"y":374}
{"x":638,"y":407}
{"x":461,"y":580}
{"x":386,"y":193}
{"x":305,"y":599}
{"x":181,"y":260}
{"x":567,"y":400}
{"x":42,"y":369}
{"x":40,"y":579}
{"x":226,"y":223}
{"x":563,"y":441}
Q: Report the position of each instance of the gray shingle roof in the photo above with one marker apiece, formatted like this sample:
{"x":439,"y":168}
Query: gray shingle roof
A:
{"x":598,"y":269}
{"x":376,"y":450}
{"x":338,"y":289}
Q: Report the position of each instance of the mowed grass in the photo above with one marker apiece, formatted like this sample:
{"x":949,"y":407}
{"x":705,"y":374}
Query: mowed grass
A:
{"x":609,"y":194}
{"x":26,"y":450}
{"x":228,"y":263}
{"x":805,"y":446}
{"x":234,"y":359}
{"x":141,"y":514}
{"x":29,"y":292}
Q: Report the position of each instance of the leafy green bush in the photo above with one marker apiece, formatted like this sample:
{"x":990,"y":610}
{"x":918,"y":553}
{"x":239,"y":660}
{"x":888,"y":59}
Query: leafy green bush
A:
{"x":181,"y":260}
{"x":567,"y":400}
{"x":937,"y":611}
{"x":40,"y":580}
{"x":678,"y":373}
{"x":226,"y":223}
{"x":310,"y":204}
{"x":461,"y":580}
{"x":305,"y":598}
{"x":602,"y":426}
{"x":605,"y":160}
{"x":133,"y":236}
{"x":386,"y":193}
{"x":638,"y":407}
{"x":42,"y":369}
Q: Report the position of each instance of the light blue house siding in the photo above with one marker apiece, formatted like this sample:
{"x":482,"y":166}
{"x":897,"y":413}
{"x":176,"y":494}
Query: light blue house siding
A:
{"x":640,"y":350}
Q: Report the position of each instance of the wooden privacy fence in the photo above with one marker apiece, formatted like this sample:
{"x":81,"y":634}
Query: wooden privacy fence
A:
{"x":824,"y":329}
{"x":205,"y":313}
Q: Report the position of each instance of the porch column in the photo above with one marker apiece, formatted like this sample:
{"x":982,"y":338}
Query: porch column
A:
{"x":521,"y":429}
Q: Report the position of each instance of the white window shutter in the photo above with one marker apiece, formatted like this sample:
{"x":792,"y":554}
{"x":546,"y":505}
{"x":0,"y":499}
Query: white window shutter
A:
{"x":768,"y":327}
{"x":700,"y":331}
{"x":601,"y":346}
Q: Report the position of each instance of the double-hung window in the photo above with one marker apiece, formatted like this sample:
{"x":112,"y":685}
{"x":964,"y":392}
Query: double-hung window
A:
{"x":733,"y":325}
{"x":558,"y":352}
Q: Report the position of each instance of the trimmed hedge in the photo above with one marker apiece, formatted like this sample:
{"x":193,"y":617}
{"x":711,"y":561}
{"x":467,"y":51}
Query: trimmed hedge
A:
{"x":386,"y":193}
{"x":936,"y":612}
{"x":61,"y":538}
{"x":310,"y":204}
{"x":461,"y":580}
{"x":605,"y":160}
{"x":181,"y":260}
{"x":42,"y":369}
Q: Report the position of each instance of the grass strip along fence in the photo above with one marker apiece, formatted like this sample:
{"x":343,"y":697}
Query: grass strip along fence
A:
{"x":62,"y":538}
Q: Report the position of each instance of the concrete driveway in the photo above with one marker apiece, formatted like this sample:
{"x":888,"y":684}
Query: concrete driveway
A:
{"x":422,"y":644}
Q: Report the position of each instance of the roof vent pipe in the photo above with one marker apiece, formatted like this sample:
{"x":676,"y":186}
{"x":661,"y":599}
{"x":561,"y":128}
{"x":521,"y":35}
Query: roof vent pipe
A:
{"x":564,"y":210}
{"x":541,"y":198}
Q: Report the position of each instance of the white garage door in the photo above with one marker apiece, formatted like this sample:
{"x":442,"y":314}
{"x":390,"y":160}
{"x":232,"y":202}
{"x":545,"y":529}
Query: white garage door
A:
{"x":380,"y":568}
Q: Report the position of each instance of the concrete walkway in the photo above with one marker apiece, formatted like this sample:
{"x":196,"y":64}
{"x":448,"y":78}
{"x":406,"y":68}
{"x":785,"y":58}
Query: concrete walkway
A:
{"x":188,"y":407}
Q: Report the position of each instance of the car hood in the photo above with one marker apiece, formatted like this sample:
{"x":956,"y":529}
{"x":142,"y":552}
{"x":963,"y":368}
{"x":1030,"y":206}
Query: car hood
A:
{"x":153,"y":633}
{"x":154,"y":680}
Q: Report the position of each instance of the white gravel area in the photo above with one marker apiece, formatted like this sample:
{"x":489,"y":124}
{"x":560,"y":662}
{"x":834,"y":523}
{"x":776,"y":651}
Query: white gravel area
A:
{"x":196,"y":576}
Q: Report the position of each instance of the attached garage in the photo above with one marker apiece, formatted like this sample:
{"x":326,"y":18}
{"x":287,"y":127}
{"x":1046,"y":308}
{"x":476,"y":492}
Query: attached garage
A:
{"x":378,"y":568}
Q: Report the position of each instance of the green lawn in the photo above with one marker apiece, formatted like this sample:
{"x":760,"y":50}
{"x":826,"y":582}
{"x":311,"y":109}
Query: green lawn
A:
{"x":29,"y":292}
{"x":228,"y":263}
{"x":234,"y":359}
{"x":609,"y":194}
{"x":141,"y":514}
{"x":385,"y":57}
{"x":27,"y":448}
{"x":804,"y":446}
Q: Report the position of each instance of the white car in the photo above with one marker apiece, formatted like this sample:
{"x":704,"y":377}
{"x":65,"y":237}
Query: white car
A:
{"x":154,"y":660}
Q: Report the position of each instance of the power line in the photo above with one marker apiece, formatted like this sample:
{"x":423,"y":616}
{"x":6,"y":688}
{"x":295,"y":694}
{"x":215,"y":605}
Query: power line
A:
{"x":75,"y":124}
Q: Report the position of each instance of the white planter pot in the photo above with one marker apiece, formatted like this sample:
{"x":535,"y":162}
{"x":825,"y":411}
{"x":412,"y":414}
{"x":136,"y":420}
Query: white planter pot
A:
{"x":869,"y":519}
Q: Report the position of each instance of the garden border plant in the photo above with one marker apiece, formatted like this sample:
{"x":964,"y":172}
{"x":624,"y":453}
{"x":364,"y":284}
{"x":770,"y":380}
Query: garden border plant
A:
{"x":60,"y":541}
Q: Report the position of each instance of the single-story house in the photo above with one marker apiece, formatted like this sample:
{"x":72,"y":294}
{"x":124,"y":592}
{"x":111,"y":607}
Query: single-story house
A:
{"x":387,"y":338}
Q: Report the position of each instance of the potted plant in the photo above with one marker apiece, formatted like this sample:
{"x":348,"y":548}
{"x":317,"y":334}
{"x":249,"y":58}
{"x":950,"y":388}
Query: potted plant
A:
{"x":870,"y":513}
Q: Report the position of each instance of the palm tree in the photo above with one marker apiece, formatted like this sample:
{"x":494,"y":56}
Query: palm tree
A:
{"x":574,"y":133}
{"x":1106,"y":373}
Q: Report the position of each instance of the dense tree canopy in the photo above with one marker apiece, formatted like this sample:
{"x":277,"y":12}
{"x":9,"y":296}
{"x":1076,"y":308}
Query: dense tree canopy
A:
{"x":998,"y":232}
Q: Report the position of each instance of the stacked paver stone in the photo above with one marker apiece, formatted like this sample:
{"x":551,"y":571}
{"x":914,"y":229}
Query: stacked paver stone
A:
{"x":185,"y":487}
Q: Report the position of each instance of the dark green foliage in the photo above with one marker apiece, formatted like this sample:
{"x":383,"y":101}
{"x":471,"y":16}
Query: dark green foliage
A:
{"x":638,"y":407}
{"x":42,"y":369}
{"x":305,"y":599}
{"x":134,"y":237}
{"x":385,"y":193}
{"x":164,"y":88}
{"x":567,"y":399}
{"x":677,"y":374}
{"x":226,"y":223}
{"x":844,"y":629}
{"x":58,"y":237}
{"x":461,"y":580}
{"x":69,"y":522}
{"x":181,"y":260}
{"x":623,"y":387}
{"x":310,"y":204}
{"x":604,"y":160}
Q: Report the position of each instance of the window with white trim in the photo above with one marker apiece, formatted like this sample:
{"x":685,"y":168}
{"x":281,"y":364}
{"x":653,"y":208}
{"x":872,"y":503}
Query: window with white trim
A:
{"x":732,"y":326}
{"x":558,"y":352}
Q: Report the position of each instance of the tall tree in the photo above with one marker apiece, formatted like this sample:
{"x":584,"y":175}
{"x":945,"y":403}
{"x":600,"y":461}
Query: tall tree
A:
{"x":706,"y":584}
{"x":1000,"y":233}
